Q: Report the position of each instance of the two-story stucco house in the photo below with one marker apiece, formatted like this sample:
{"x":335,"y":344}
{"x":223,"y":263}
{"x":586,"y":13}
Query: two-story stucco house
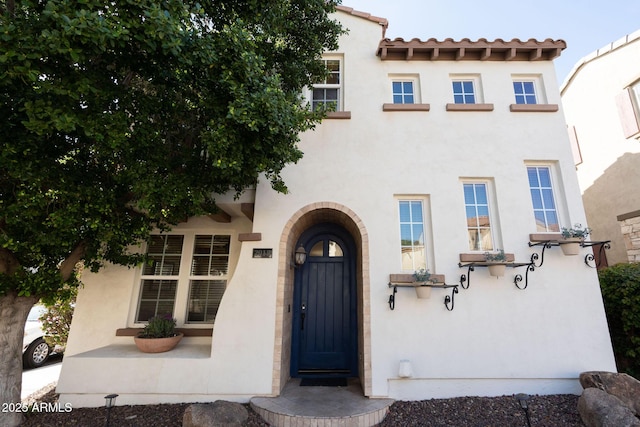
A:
{"x":437,"y":152}
{"x":601,"y":98}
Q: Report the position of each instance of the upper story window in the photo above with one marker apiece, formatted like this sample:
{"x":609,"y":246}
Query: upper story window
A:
{"x":412,"y":238}
{"x":628,"y":103}
{"x":403,"y":92}
{"x":328,"y":92}
{"x":191,"y":294}
{"x":542,"y":197}
{"x":525,"y":92}
{"x":476,"y":203}
{"x":464,"y":92}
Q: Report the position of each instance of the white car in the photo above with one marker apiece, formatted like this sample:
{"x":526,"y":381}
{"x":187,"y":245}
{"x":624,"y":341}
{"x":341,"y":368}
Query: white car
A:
{"x":35,"y":351}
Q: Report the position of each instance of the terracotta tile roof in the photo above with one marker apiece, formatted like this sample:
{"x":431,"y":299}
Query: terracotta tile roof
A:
{"x":378,"y":20}
{"x":466,"y":49}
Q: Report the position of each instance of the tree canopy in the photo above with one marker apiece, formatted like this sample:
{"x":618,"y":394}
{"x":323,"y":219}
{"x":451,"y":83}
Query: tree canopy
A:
{"x":123,"y":116}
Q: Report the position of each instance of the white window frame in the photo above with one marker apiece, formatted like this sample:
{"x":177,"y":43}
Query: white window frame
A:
{"x":492,"y":214}
{"x":406,"y":78}
{"x":477,"y":87}
{"x":184,"y":278}
{"x":538,"y":87}
{"x":339,"y":86}
{"x":559,"y":212}
{"x":426,"y":230}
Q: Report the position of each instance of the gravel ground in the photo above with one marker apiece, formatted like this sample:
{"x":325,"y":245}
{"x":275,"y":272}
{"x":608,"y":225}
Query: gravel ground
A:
{"x":544,"y":411}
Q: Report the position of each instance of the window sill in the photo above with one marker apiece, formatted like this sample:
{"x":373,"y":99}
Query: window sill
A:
{"x":188,"y":332}
{"x":538,"y":108}
{"x":545,"y":237}
{"x":409,"y":279}
{"x":478,"y":258}
{"x":469,"y":107}
{"x":344,"y":115}
{"x":406,"y":107}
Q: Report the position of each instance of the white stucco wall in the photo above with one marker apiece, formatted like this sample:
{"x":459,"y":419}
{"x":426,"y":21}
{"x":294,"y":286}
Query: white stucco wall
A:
{"x":608,"y":174}
{"x":497,"y":340}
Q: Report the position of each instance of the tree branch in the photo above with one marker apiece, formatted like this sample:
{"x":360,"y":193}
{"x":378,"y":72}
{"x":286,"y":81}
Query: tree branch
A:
{"x":8,"y":262}
{"x":68,"y":266}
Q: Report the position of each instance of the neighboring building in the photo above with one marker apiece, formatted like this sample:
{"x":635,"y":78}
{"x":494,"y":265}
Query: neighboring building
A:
{"x":601,"y":100}
{"x":437,"y":152}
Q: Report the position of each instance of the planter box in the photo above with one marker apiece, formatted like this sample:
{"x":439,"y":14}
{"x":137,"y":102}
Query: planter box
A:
{"x":157,"y":345}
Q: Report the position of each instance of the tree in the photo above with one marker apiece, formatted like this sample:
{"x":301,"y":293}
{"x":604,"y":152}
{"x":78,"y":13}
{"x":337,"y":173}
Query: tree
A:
{"x":125,"y":116}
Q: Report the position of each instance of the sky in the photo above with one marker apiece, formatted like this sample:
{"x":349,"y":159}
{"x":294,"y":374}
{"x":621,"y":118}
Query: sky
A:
{"x":586,"y":25}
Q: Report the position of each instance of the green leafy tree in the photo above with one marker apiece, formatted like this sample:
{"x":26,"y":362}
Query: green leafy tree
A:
{"x":123,"y":116}
{"x":620,"y":286}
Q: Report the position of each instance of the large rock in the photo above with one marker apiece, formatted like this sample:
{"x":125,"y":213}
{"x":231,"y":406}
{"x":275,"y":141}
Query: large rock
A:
{"x":217,"y":414}
{"x":598,"y":408}
{"x":622,"y":386}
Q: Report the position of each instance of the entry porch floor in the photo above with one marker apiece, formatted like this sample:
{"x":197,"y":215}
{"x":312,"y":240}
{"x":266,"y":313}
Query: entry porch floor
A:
{"x":313,"y":406}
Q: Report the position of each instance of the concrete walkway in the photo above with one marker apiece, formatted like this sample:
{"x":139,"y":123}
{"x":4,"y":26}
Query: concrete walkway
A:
{"x":321,"y":406}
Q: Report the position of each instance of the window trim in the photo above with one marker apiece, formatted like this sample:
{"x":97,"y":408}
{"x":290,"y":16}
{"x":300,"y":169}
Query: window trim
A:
{"x":496,"y":237}
{"x":181,"y":303}
{"x":559,"y":211}
{"x":339,"y":87}
{"x":426,"y":226}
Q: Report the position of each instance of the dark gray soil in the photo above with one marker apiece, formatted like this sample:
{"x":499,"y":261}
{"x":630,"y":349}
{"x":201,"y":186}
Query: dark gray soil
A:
{"x":544,"y":411}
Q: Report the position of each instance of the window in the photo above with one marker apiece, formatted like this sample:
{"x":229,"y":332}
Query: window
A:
{"x":198,"y":287}
{"x":476,"y":203}
{"x":464,"y":92}
{"x":525,"y":92}
{"x":327,"y":93}
{"x":628,"y":103}
{"x":544,"y":205}
{"x":402,"y":92}
{"x":412,"y":239}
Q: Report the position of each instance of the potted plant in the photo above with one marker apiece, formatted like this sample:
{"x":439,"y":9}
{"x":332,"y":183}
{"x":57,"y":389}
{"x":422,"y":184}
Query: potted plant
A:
{"x":159,"y":335}
{"x":422,"y":280}
{"x":496,"y":262}
{"x":573,"y":237}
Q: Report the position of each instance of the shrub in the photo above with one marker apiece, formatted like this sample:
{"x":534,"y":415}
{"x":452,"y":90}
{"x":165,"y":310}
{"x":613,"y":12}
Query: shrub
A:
{"x":620,"y":286}
{"x":56,"y":320}
{"x":159,"y":327}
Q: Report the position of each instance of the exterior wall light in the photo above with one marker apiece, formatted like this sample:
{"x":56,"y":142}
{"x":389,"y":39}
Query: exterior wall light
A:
{"x":110,"y":403}
{"x":405,"y":370}
{"x":300,"y":256}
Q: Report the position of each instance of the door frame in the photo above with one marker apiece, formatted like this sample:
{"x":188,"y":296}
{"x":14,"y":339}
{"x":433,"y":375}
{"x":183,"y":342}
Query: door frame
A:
{"x":350,"y":257}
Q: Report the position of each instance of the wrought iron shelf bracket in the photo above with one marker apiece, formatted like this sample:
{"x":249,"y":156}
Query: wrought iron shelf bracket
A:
{"x":602,"y":246}
{"x":448,"y":300}
{"x":466,"y":278}
{"x":589,"y":259}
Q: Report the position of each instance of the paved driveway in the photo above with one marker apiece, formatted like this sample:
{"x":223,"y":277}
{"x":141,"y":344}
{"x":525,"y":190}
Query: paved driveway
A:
{"x":35,"y":379}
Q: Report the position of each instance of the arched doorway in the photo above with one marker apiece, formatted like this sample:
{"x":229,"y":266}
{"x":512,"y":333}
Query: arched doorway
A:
{"x":324,"y":325}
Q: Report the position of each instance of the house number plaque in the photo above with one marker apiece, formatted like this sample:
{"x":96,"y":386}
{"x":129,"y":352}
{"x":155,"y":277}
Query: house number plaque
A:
{"x":263,"y":253}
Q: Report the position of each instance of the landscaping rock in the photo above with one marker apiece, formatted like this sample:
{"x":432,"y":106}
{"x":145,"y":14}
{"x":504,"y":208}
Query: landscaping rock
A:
{"x":217,"y":414}
{"x":622,"y":386}
{"x":598,"y":408}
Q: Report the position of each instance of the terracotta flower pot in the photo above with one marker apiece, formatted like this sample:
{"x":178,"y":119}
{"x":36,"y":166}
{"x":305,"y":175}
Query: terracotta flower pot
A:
{"x":497,"y":270}
{"x":157,"y":345}
{"x":572,"y":248}
{"x":423,"y":292}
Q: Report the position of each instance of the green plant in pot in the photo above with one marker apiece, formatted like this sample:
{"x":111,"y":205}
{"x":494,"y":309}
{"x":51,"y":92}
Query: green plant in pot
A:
{"x":572,"y":238}
{"x":422,"y":280}
{"x":496,"y":262}
{"x":159,"y":335}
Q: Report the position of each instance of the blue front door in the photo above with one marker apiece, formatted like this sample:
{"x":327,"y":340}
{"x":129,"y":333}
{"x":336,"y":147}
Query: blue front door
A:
{"x":324,"y":336}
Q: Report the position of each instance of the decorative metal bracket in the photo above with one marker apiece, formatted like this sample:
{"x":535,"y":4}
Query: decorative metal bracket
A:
{"x":545,"y":245}
{"x":517,"y":279}
{"x":589,"y":258}
{"x":447,"y":299}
